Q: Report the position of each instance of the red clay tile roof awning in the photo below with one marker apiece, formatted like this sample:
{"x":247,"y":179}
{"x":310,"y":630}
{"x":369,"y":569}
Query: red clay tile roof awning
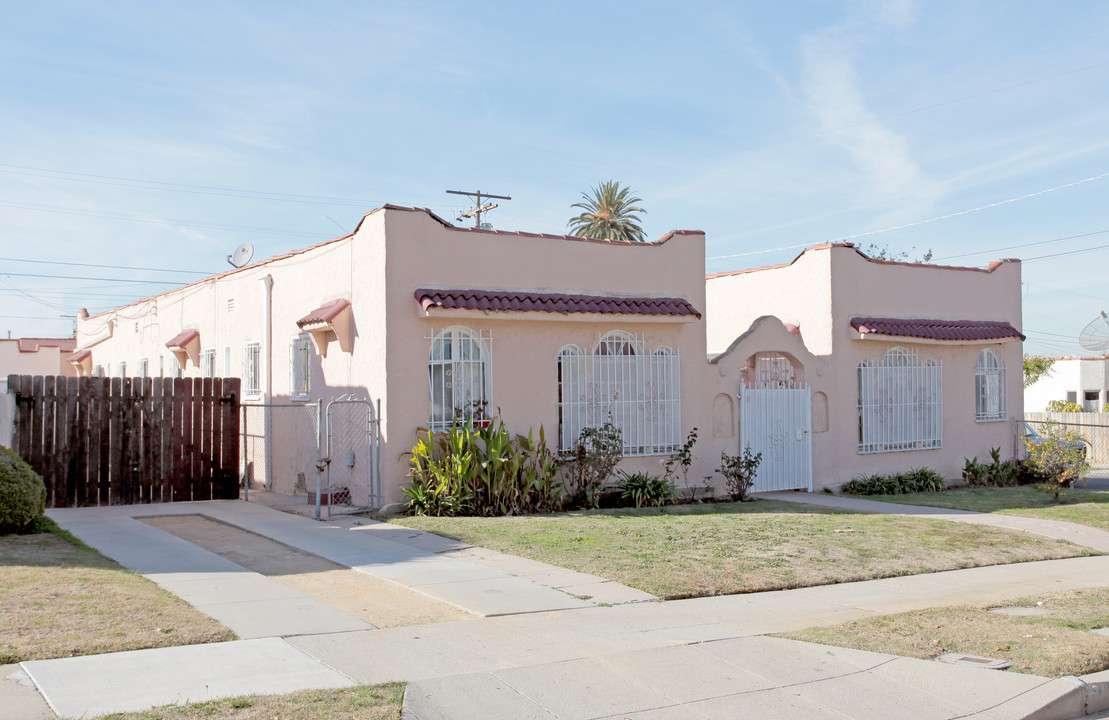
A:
{"x":182,"y":339}
{"x":325,"y":313}
{"x":951,"y":330}
{"x":526,"y":301}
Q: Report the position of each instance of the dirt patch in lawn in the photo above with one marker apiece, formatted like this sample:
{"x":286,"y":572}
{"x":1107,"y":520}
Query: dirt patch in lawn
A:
{"x":58,"y":599}
{"x":377,"y":601}
{"x":1056,"y":643}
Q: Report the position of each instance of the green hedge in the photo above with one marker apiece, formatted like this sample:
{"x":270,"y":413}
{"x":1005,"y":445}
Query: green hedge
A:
{"x":22,"y":493}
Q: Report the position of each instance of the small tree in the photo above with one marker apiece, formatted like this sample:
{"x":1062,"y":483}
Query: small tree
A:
{"x":739,"y":472}
{"x":1058,"y":456}
{"x":1064,"y":406}
{"x":683,"y":459}
{"x":1036,"y":368}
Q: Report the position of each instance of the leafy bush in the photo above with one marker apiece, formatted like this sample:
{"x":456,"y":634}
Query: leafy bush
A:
{"x":918,"y":480}
{"x":739,"y":472}
{"x":1058,"y":456}
{"x":975,"y":474}
{"x":640,"y":489}
{"x":1064,"y":406}
{"x":588,"y":466}
{"x":22,"y":492}
{"x":475,"y":470}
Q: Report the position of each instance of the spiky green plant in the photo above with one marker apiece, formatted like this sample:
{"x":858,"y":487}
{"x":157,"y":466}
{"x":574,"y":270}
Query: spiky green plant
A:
{"x":609,"y":214}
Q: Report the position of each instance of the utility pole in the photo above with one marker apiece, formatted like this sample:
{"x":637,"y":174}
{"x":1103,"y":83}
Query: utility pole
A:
{"x":476,"y":211}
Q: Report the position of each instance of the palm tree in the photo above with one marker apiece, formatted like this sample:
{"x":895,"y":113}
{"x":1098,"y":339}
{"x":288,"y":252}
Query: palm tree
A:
{"x":609,"y":214}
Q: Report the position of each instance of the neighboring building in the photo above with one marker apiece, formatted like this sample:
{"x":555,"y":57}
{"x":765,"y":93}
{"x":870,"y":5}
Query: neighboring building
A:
{"x":30,"y":356}
{"x":35,"y":356}
{"x":1084,"y":381}
{"x":429,"y":321}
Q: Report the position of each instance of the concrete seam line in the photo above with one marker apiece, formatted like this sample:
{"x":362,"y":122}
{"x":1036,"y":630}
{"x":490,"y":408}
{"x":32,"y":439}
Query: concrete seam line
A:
{"x":312,"y":657}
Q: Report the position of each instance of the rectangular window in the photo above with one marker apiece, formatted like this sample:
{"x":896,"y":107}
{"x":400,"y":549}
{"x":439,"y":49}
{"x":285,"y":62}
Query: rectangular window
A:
{"x":144,"y":367}
{"x":122,"y":370}
{"x":459,"y":377}
{"x":161,"y":366}
{"x":1090,"y":401}
{"x":1072,"y":396}
{"x":208,"y":362}
{"x":252,"y":366}
{"x":900,"y":403}
{"x":300,"y":356}
{"x":619,"y":382}
{"x":227,"y":371}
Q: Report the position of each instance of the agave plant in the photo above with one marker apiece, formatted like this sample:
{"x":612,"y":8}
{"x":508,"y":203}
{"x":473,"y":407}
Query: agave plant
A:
{"x":609,"y":214}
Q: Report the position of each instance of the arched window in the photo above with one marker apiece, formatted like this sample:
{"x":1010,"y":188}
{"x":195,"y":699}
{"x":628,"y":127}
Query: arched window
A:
{"x":989,"y":386}
{"x":900,"y":403}
{"x":620,"y":383}
{"x":458,"y":377}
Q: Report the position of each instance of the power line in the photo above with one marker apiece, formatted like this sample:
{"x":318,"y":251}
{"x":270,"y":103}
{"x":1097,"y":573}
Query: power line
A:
{"x":920,"y":222}
{"x":110,"y":267}
{"x":177,"y":187}
{"x":74,"y":277}
{"x":172,"y":223}
{"x":1014,"y":247}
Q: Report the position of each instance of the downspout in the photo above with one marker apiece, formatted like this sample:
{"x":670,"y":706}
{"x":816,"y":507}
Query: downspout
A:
{"x":267,"y":377}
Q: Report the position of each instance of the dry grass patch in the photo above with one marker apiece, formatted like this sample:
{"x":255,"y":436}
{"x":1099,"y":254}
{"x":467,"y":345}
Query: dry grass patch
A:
{"x":719,"y":549}
{"x":1085,"y":507}
{"x":363,"y":702}
{"x":59,"y":597}
{"x":1052,"y":645}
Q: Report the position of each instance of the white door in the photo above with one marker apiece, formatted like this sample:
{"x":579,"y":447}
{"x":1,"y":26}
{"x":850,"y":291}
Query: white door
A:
{"x":777,"y":422}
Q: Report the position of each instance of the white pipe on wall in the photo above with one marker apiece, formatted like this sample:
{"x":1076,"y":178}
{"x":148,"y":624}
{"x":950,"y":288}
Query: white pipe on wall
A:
{"x":267,"y":376}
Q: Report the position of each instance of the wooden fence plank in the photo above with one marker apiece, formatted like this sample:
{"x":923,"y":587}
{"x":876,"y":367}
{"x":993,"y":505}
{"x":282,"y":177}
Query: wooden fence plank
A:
{"x":67,"y":430}
{"x":91,"y":392}
{"x":79,"y":464}
{"x":165,"y":416}
{"x":34,"y":454}
{"x":53,"y":439}
{"x":182,"y":431}
{"x":115,"y":440}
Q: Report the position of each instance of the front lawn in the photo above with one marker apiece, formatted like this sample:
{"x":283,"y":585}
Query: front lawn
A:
{"x":1054,"y":644}
{"x":59,"y":597}
{"x":725,"y":548}
{"x":1085,"y":507}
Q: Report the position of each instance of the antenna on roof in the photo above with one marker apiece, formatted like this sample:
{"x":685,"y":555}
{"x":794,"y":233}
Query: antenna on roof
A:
{"x":241,"y":256}
{"x":476,"y":211}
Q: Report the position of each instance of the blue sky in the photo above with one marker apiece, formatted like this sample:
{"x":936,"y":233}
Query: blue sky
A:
{"x":162,"y":135}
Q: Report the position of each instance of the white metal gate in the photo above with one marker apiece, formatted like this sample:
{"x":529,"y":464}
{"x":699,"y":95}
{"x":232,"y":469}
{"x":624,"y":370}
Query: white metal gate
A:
{"x":777,"y":422}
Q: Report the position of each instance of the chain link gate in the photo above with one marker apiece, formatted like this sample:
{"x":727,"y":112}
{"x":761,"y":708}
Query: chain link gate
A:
{"x":353,"y":459}
{"x":280,"y":447}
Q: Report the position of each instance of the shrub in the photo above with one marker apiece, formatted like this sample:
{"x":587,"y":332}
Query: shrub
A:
{"x":22,"y":492}
{"x":479,"y":470}
{"x":1064,"y":406}
{"x":917,"y":480}
{"x":1001,"y":474}
{"x":588,"y":466}
{"x":1059,"y":457}
{"x":640,"y":489}
{"x":739,"y":472}
{"x":975,"y":474}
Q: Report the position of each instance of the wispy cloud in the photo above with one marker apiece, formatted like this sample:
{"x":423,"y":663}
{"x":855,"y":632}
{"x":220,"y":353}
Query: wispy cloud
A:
{"x":834,"y":95}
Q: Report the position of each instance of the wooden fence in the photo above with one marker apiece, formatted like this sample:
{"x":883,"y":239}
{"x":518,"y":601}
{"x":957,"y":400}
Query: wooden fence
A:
{"x":119,"y":441}
{"x":1092,"y":427}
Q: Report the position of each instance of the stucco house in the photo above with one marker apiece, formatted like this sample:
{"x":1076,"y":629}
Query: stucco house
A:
{"x":831,"y":365}
{"x":1080,"y":380}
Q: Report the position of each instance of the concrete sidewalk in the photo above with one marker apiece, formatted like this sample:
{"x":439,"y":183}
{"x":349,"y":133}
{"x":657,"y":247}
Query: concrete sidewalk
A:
{"x":699,"y":658}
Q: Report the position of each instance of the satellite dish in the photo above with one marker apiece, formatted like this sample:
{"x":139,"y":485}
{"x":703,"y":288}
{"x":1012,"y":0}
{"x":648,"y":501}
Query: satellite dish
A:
{"x":242,"y":255}
{"x":1095,"y":336}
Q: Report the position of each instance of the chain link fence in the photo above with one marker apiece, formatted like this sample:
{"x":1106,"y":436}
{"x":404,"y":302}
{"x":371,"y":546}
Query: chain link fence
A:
{"x":1092,"y":427}
{"x":280,"y":447}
